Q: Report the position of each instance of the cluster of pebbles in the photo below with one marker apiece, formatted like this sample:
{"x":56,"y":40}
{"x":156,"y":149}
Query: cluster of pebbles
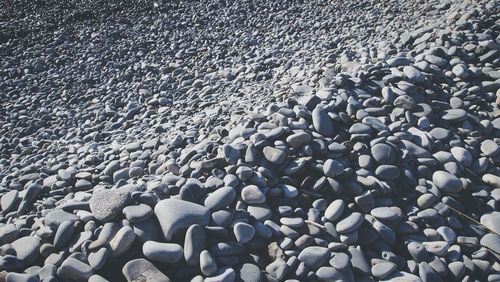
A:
{"x":271,"y":161}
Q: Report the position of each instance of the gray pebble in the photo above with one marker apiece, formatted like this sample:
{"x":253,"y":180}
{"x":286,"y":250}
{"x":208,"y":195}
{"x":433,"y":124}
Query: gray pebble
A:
{"x":162,"y":252}
{"x":142,"y":270}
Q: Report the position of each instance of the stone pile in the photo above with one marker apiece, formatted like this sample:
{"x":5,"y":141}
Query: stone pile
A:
{"x":378,"y":165}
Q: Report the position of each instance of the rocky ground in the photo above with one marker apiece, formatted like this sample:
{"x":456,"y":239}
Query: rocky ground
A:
{"x":249,"y":141}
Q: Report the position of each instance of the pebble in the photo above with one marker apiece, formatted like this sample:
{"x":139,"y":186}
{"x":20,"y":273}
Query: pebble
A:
{"x":162,"y":252}
{"x":249,"y":272}
{"x":137,"y":213}
{"x":220,"y":198}
{"x":122,"y":241}
{"x":340,"y":261}
{"x":208,"y":264}
{"x":224,"y":274}
{"x":387,"y":172}
{"x":332,"y":168}
{"x":194,"y":243}
{"x":384,"y":213}
{"x":457,"y":269}
{"x":21,"y":277}
{"x":55,"y":217}
{"x":488,"y":147}
{"x":107,"y":204}
{"x":64,"y":234}
{"x":447,"y":182}
{"x":413,"y":74}
{"x":383,"y":269}
{"x":278,"y":269}
{"x":401,"y":276}
{"x":321,"y":122}
{"x":334,"y":211}
{"x":107,"y":232}
{"x":426,"y":273}
{"x":252,"y":194}
{"x":405,"y":102}
{"x":314,"y":257}
{"x":350,"y":223}
{"x":73,"y":269}
{"x":299,"y":139}
{"x":260,"y":213}
{"x":326,"y":273}
{"x":8,"y":200}
{"x":175,"y":215}
{"x":491,"y":242}
{"x":243,"y":232}
{"x":462,"y":155}
{"x":97,"y":278}
{"x":418,"y":251}
{"x":455,"y":115}
{"x":8,"y":233}
{"x":27,"y":249}
{"x":98,"y":259}
{"x":383,"y":153}
{"x":274,"y":155}
{"x":358,"y":261}
{"x":140,"y":269}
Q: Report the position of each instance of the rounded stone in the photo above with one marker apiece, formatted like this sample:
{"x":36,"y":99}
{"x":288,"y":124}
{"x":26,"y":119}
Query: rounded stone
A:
{"x":387,"y":172}
{"x":384,"y":213}
{"x":176,"y":215}
{"x":20,"y":277}
{"x":73,"y":269}
{"x":350,"y":223}
{"x":273,"y":155}
{"x":260,"y":212}
{"x":163,"y":252}
{"x":332,"y":168}
{"x":8,"y":200}
{"x":455,"y":115}
{"x":243,"y":232}
{"x":405,"y":102}
{"x":383,"y":153}
{"x":492,"y":221}
{"x":105,"y":205}
{"x":8,"y":233}
{"x":447,"y":182}
{"x":418,"y":251}
{"x":55,"y":217}
{"x":224,"y":274}
{"x":488,"y":147}
{"x":299,"y":139}
{"x":334,"y":211}
{"x":139,"y":270}
{"x":194,"y":243}
{"x":401,"y":276}
{"x":327,"y":273}
{"x":98,"y":259}
{"x":322,"y":122}
{"x":137,"y":213}
{"x":314,"y":257}
{"x":340,"y":261}
{"x":27,"y":249}
{"x":249,"y":272}
{"x":64,"y":234}
{"x":383,"y":269}
{"x":492,"y":242}
{"x":252,"y":194}
{"x":220,"y":198}
{"x":208,"y":265}
{"x":462,"y":155}
{"x":122,"y":241}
